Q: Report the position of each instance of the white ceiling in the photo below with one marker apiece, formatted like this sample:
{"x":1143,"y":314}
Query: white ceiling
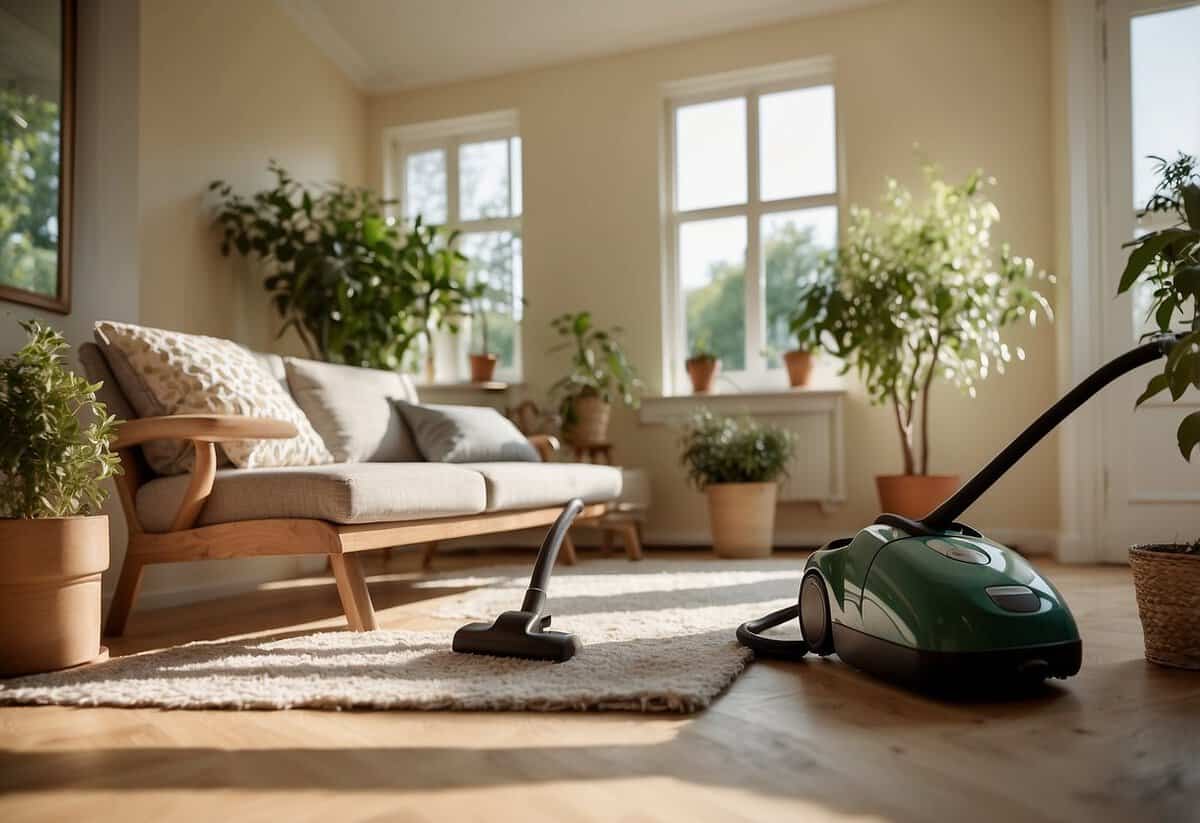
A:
{"x":385,"y":45}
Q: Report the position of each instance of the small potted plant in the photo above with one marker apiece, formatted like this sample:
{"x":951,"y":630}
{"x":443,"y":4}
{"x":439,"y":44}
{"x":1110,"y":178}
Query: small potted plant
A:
{"x":483,"y":364}
{"x":738,"y":465}
{"x":53,"y":546}
{"x":807,"y":322}
{"x":916,"y":294}
{"x":1166,"y":577}
{"x":702,"y":366}
{"x":600,"y":373}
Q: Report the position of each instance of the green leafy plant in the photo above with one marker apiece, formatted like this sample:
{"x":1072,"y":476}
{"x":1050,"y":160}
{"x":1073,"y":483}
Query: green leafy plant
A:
{"x":702,"y":348}
{"x":599,"y":366}
{"x":916,"y":293}
{"x":1169,"y":262}
{"x":50,"y":464}
{"x":439,"y":280}
{"x":355,"y":287}
{"x":720,"y":449}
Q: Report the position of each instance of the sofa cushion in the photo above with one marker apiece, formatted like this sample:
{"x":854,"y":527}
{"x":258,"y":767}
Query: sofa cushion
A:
{"x":465,"y":434}
{"x":535,"y":485}
{"x":340,"y":493}
{"x":351,"y":408}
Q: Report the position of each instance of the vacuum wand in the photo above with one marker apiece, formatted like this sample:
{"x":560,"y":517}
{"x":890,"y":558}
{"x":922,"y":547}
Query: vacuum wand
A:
{"x":949,"y":511}
{"x":525,"y":633}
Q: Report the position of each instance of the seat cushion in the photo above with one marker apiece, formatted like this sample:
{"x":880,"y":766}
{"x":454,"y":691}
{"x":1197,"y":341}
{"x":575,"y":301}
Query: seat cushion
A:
{"x":534,"y":485}
{"x":339,"y":493}
{"x":351,"y":408}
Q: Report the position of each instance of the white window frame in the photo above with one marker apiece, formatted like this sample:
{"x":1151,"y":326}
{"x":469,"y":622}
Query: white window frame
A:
{"x":750,"y":84}
{"x":449,"y":135}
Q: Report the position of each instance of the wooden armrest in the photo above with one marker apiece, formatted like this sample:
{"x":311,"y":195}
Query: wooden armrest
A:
{"x":201,"y":428}
{"x":547,"y":445}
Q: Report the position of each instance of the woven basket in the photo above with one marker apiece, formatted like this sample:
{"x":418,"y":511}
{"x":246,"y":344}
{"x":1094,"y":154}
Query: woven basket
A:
{"x":1168,"y":598}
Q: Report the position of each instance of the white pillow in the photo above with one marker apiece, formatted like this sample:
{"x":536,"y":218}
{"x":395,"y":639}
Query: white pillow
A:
{"x":194,"y":374}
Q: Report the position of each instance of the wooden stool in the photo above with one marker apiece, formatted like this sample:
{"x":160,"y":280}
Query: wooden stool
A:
{"x":593,"y":453}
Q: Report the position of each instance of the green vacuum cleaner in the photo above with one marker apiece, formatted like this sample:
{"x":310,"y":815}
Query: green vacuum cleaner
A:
{"x":932,"y":602}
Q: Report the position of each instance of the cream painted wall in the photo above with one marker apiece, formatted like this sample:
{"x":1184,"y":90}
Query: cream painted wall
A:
{"x":225,"y":87}
{"x":970,"y":82}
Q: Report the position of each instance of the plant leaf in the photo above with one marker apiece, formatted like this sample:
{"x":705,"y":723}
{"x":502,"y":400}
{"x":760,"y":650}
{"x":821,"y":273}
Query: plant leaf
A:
{"x":1158,"y":383}
{"x":1189,"y":435}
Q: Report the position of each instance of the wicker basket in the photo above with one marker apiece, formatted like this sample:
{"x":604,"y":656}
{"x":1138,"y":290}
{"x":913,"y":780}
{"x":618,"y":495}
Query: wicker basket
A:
{"x":1168,"y":598}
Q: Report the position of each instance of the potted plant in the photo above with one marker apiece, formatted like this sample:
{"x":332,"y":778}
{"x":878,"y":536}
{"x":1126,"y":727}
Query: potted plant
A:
{"x":483,"y":364}
{"x":702,"y":366}
{"x":806,"y":324}
{"x":439,"y":276}
{"x":1166,"y":577}
{"x":53,"y":547}
{"x":737,"y":464}
{"x":600,"y":372}
{"x":917,"y":293}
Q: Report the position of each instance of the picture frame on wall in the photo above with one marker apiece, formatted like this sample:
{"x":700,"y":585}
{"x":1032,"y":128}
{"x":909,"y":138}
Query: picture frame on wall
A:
{"x":37,"y":132}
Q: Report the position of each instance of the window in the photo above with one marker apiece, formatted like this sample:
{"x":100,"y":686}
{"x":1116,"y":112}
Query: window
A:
{"x":1166,"y":116}
{"x":465,"y":174}
{"x":753,"y":199}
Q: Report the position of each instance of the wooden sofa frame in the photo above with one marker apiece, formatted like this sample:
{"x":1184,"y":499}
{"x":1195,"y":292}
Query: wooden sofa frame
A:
{"x":283,"y":536}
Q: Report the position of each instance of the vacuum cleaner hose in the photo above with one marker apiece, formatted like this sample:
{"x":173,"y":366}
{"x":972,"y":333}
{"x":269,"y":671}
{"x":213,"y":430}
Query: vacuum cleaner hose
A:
{"x":539,"y":583}
{"x":749,"y":635}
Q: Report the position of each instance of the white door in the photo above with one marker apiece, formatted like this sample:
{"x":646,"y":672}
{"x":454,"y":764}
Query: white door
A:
{"x":1152,"y":107}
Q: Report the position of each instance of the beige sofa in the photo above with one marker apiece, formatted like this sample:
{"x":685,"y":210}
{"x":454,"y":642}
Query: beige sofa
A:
{"x":337,"y":510}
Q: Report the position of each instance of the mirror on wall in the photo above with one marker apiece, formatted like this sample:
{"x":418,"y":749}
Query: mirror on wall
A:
{"x":37,"y":82}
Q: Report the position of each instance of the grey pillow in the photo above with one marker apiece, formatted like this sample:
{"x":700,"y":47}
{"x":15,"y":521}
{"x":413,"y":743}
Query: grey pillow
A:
{"x":466,"y":434}
{"x":351,"y":408}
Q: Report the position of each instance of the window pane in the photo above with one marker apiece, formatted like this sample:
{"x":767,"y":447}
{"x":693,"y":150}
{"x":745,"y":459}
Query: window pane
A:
{"x":518,"y":194}
{"x":495,"y":260}
{"x":712,"y":271}
{"x":483,"y":180}
{"x":792,"y":242}
{"x":1165,"y":63}
{"x":425,"y":186}
{"x":796,"y":140}
{"x":710,"y":154}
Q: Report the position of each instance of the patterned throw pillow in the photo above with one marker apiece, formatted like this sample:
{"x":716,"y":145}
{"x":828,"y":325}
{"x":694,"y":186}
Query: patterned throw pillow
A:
{"x":193,"y":374}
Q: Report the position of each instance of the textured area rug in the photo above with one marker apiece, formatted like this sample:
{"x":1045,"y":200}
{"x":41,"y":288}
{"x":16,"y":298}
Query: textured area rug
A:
{"x":658,"y":636}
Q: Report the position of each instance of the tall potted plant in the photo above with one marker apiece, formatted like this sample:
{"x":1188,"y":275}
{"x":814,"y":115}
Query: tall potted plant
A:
{"x":737,"y":464}
{"x":600,"y":373}
{"x":1167,"y":263}
{"x":53,"y":546}
{"x":355,"y":287}
{"x":917,"y":293}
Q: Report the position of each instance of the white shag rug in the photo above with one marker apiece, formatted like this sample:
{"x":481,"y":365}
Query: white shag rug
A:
{"x":658,"y":636}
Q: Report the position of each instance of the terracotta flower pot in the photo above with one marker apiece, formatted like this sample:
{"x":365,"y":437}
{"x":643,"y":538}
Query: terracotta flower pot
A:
{"x":483,"y":366}
{"x":742,"y":516}
{"x":50,"y":592}
{"x":799,"y":367}
{"x":591,"y":420}
{"x":1167,"y":584}
{"x":702,"y":371}
{"x":914,"y":495}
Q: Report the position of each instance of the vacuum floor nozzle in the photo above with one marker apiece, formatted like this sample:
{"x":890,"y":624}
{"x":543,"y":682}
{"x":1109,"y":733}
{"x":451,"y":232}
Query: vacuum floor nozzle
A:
{"x":525,"y":632}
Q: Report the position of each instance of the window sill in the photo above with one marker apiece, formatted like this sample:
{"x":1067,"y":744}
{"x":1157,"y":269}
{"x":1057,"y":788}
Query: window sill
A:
{"x":817,"y":399}
{"x":490,"y":387}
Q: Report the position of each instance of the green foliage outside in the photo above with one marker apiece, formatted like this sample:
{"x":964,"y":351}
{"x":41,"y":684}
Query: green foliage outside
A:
{"x":50,"y":464}
{"x":917,"y":293}
{"x":1169,"y":260}
{"x":355,"y":287}
{"x":716,"y":312}
{"x":29,"y":158}
{"x":598,"y":366}
{"x":720,"y":449}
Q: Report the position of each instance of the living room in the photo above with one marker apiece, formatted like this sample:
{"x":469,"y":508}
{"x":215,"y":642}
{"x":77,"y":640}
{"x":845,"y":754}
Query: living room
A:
{"x":737,"y":276}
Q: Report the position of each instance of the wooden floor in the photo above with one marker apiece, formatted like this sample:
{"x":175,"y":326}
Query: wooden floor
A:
{"x":787,"y":742}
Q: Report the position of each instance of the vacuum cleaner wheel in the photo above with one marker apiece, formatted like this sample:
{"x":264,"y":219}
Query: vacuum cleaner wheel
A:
{"x":814,"y":615}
